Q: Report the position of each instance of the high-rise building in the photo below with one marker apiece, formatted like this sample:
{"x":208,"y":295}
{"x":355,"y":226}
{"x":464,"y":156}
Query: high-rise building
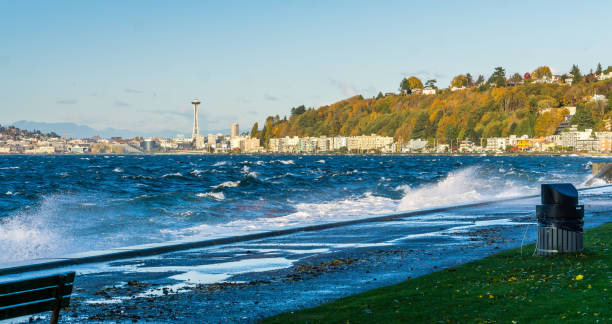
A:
{"x":234,"y":131}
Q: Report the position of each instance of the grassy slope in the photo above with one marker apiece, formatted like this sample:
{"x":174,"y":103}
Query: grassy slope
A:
{"x":505,"y":287}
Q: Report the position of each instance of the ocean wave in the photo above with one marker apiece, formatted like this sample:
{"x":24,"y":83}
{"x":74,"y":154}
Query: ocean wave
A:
{"x":118,"y":170}
{"x":285,"y":162}
{"x":137,"y":177}
{"x":173,"y":175}
{"x":227,"y":184}
{"x":26,"y":236}
{"x":214,"y":195}
{"x":306,"y":213}
{"x":462,"y":186}
{"x":221,"y":163}
{"x":9,"y":168}
{"x":196,"y":172}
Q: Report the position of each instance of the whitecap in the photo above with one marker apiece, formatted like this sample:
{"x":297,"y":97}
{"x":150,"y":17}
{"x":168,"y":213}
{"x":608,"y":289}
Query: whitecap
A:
{"x":214,"y":195}
{"x":462,"y":186}
{"x":227,"y":184}
{"x":118,"y":170}
{"x":196,"y":172}
{"x":176,"y":174}
{"x":286,"y":162}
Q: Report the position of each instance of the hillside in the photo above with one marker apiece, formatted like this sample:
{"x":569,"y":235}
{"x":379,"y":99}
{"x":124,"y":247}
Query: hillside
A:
{"x":473,"y":113}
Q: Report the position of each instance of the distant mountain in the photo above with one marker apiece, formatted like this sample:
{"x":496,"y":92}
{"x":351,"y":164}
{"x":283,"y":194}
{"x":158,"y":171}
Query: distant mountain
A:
{"x":72,"y":130}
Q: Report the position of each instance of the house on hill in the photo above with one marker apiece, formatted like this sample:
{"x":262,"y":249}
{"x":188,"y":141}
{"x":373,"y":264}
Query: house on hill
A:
{"x":604,"y":76}
{"x":429,"y":91}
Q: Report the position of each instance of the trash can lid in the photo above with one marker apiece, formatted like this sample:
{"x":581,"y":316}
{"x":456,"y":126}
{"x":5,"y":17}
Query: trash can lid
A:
{"x":559,"y":194}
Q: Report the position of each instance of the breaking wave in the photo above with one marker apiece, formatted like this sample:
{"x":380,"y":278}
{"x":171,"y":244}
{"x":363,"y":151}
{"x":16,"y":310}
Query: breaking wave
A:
{"x":462,"y":186}
{"x":214,"y":195}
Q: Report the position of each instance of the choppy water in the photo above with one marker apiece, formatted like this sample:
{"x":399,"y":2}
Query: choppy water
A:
{"x":54,"y":205}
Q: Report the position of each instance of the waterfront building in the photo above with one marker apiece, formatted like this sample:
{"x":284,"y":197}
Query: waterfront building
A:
{"x":235,"y":142}
{"x":604,"y":141}
{"x":368,"y":142}
{"x":250,"y":145}
{"x":414,"y":145}
{"x":496,"y":144}
{"x":234,"y":130}
{"x":211,"y":140}
{"x":40,"y":150}
{"x":338,"y":142}
{"x":323,"y":144}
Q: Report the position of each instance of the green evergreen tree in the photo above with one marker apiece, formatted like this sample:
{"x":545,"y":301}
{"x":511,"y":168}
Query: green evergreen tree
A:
{"x":480,"y":79}
{"x":420,"y":126}
{"x":469,"y":79}
{"x":583,"y":118}
{"x":498,"y":77}
{"x":575,"y":71}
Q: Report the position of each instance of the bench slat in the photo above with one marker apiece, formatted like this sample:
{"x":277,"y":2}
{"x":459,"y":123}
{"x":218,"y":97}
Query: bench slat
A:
{"x":31,"y":295}
{"x":32,"y":308}
{"x":15,"y":286}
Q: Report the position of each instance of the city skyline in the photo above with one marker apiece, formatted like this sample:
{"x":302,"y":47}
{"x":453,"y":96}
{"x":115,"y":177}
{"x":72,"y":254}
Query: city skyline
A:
{"x":131,"y":66}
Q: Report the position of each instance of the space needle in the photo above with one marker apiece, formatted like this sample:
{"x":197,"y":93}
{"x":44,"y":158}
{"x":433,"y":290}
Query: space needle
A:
{"x":196,"y":131}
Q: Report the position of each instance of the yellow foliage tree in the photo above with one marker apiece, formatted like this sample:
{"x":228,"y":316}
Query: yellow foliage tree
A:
{"x":540,"y":72}
{"x":459,"y":81}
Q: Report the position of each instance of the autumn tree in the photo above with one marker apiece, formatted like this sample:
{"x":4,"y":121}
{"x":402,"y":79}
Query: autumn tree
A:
{"x":411,"y":83}
{"x":460,"y":81}
{"x":498,"y":77}
{"x":516,"y":78}
{"x":541,"y":72}
{"x":548,"y":122}
{"x":255,"y":130}
{"x":451,"y":134}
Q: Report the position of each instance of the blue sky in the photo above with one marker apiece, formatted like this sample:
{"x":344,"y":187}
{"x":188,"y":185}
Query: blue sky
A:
{"x":138,"y":64}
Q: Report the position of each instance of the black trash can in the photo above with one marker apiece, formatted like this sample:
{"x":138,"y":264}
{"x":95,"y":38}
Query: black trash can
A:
{"x":560,"y":220}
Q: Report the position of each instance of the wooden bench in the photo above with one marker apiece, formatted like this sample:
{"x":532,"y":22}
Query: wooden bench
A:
{"x":36,"y":295}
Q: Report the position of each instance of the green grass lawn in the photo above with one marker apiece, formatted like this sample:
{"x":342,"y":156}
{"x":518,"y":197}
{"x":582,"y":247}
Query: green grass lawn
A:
{"x":503,"y":288}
